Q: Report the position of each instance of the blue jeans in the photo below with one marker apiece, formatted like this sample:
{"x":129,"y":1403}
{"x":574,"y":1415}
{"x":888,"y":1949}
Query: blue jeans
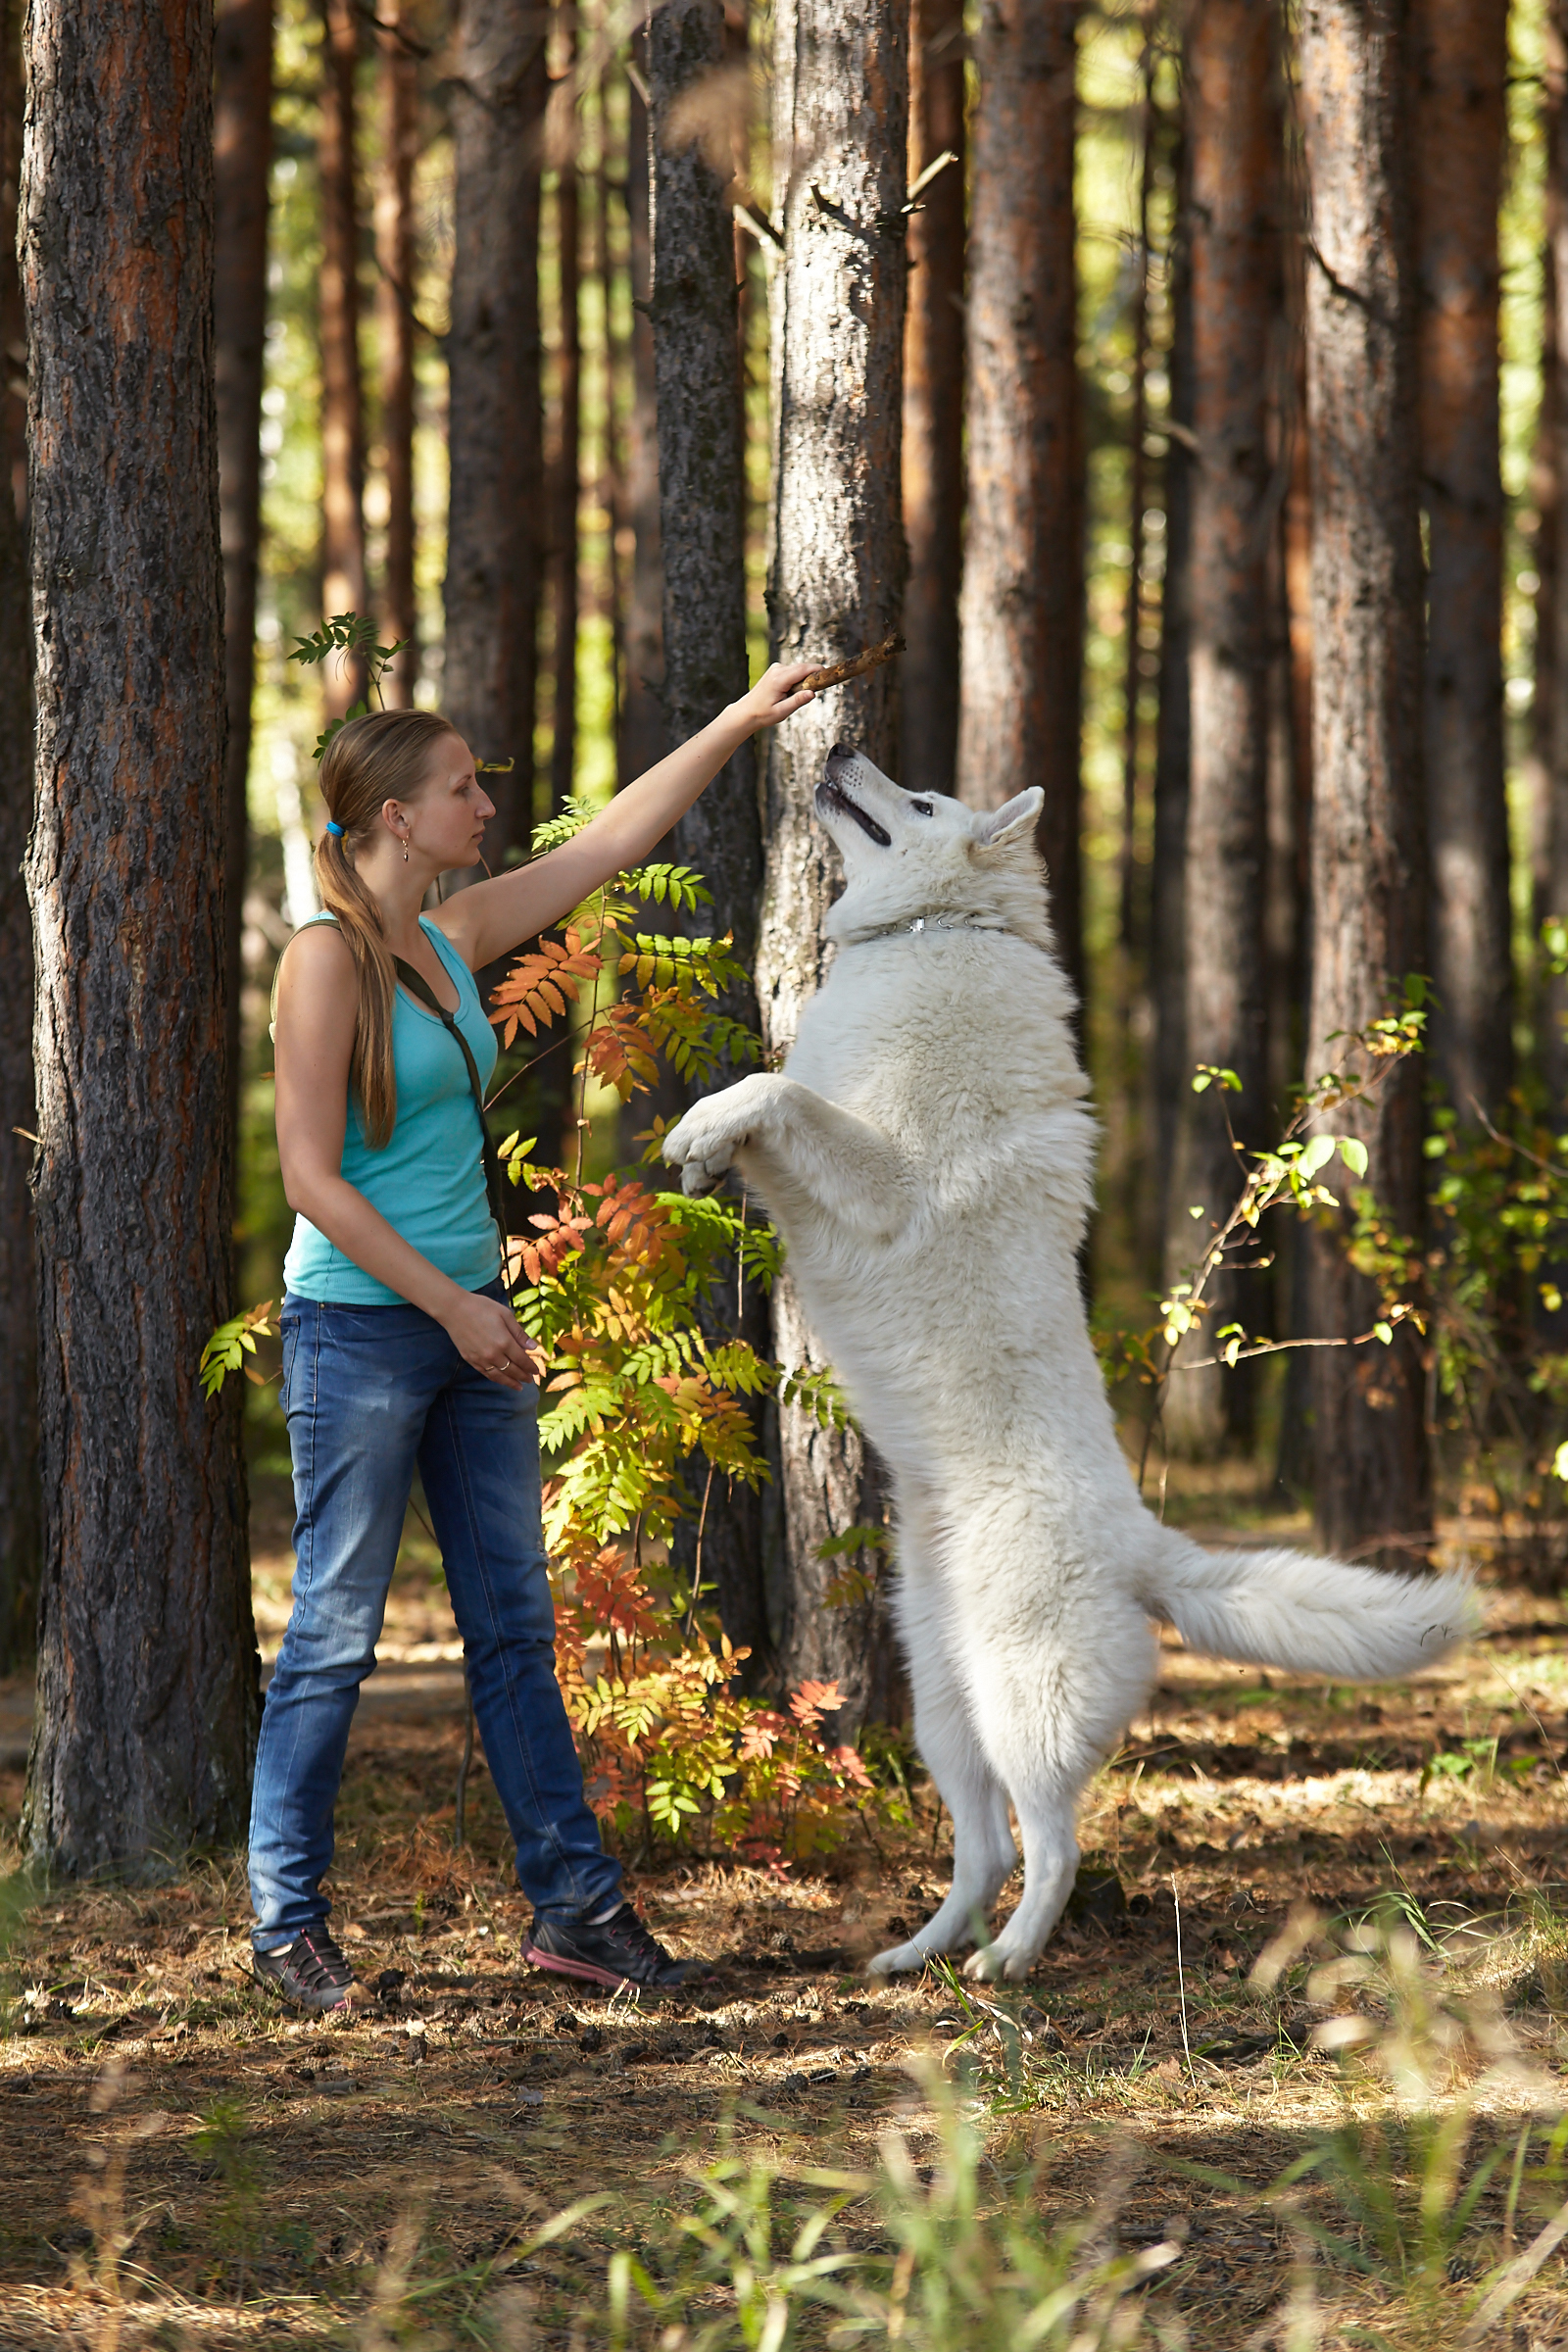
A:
{"x":369,"y":1391}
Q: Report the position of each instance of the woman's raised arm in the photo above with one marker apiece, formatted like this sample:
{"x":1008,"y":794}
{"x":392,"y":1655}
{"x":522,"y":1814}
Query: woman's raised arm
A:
{"x":494,"y":917}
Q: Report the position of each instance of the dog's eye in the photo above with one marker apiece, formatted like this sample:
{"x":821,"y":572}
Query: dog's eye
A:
{"x":921,"y":808}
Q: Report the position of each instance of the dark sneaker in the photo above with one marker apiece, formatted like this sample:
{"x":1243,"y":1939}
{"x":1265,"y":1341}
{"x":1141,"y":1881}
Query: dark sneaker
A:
{"x":311,"y":1971}
{"x":617,"y":1951}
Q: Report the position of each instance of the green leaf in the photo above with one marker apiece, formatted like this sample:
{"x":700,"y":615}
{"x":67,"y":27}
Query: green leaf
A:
{"x":1354,"y":1153}
{"x":1316,"y":1152}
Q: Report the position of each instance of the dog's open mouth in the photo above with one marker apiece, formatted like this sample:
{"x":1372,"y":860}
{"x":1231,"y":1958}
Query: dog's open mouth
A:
{"x":831,"y":795}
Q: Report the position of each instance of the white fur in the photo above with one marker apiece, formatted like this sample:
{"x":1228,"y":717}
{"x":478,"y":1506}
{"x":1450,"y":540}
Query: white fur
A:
{"x":928,"y":1154}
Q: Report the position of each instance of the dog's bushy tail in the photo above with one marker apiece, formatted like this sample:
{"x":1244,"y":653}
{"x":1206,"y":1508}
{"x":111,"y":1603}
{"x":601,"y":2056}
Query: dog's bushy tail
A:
{"x":1309,"y":1616}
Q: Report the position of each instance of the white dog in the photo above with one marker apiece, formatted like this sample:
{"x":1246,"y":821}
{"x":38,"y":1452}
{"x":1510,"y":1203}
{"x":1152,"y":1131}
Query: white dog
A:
{"x":927,"y":1151}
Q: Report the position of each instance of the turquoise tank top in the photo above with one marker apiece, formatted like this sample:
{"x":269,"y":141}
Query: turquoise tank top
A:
{"x":428,"y":1182}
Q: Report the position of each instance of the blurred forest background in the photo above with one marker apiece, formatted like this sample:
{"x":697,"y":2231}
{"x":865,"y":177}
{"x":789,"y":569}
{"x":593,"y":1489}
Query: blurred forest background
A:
{"x":1183,"y":382}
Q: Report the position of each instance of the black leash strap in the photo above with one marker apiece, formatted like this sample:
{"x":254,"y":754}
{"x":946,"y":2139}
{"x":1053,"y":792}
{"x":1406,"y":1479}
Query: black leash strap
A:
{"x":494,"y":1180}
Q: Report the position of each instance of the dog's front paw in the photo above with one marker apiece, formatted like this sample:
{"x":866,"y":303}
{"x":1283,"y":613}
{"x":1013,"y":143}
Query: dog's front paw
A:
{"x":700,"y":1151}
{"x":704,"y":1143}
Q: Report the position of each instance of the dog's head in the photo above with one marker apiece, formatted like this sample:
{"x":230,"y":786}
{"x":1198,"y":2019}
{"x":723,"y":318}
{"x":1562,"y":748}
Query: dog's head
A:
{"x":910,"y":853}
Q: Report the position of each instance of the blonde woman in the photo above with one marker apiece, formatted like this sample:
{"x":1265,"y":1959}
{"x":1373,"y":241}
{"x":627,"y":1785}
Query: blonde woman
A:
{"x":400,"y":1350}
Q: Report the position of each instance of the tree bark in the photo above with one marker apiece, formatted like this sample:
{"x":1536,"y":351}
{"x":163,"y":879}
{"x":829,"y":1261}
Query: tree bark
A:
{"x":343,"y":574}
{"x":565,"y":473}
{"x":1173,"y":741}
{"x":1372,"y":1473}
{"x":840,"y":137}
{"x":1463,"y":65}
{"x":701,"y":495}
{"x":1022,"y":609}
{"x":242,"y":151}
{"x":21,"y":1532}
{"x":1137,"y":502}
{"x":148,"y":1693}
{"x":1232,"y":132}
{"x":494,"y":544}
{"x":395,"y":253}
{"x":933,"y":402}
{"x":1546,"y":493}
{"x":1554,"y":1020}
{"x":642,"y":737}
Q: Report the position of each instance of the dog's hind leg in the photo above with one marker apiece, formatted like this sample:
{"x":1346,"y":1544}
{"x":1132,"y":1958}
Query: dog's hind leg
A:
{"x":1049,"y":1708}
{"x":983,"y":1851}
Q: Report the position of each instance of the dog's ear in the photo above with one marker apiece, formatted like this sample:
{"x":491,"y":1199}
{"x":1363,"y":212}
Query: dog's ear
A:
{"x":1014,"y":819}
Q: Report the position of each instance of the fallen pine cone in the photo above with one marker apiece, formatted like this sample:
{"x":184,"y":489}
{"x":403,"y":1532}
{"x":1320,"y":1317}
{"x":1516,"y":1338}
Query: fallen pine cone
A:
{"x":839,"y":673}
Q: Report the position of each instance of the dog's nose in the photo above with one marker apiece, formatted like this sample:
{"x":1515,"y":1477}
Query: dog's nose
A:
{"x":841,"y":750}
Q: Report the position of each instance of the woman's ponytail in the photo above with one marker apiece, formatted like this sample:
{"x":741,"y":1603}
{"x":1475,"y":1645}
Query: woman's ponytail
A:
{"x":384,"y":757}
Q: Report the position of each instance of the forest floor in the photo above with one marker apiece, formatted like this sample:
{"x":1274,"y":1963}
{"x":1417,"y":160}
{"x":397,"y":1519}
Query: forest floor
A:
{"x":189,"y":2166}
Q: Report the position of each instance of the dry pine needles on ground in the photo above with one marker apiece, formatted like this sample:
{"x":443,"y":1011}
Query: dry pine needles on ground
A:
{"x":189,"y":2166}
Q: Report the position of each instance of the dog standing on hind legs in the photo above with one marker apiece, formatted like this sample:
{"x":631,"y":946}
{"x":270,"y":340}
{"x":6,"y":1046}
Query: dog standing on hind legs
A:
{"x":927,"y":1153}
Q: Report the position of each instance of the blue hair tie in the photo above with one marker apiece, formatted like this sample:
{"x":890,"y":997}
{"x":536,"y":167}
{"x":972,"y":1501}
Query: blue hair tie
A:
{"x":334,"y":829}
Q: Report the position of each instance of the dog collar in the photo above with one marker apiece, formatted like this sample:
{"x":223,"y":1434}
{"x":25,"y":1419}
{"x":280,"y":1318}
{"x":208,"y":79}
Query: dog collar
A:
{"x":929,"y":922}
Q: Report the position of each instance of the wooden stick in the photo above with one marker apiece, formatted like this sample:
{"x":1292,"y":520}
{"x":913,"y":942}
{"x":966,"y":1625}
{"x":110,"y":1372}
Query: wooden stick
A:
{"x":838,"y":674}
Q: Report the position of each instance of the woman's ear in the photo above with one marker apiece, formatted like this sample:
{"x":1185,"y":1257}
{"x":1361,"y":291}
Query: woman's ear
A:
{"x":1016,"y":817}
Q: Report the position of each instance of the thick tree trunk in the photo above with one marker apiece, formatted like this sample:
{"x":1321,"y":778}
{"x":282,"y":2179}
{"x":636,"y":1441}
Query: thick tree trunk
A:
{"x":566,"y":471}
{"x":933,"y":402}
{"x":21,"y":1532}
{"x":701,"y":488}
{"x":148,"y":1685}
{"x":1368,"y":858}
{"x":840,"y":139}
{"x":343,"y":577}
{"x":494,"y":542}
{"x":1233,"y":133}
{"x":242,"y":151}
{"x":1459,"y":127}
{"x":642,"y":737}
{"x":395,"y":250}
{"x":1022,"y":613}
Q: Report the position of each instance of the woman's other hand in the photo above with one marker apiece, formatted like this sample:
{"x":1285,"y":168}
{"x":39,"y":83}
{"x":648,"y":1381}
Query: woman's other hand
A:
{"x":487,"y":1335}
{"x":777,"y":692}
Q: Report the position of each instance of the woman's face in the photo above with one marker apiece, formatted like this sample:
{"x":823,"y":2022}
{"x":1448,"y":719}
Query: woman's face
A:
{"x":446,"y":822}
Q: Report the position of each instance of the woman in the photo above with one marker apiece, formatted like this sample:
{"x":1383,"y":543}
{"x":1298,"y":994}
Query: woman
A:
{"x":400,"y":1350}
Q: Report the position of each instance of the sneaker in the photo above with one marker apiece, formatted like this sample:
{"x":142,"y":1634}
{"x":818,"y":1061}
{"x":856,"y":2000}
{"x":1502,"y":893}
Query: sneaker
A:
{"x":311,"y":1971}
{"x":618,"y":1950}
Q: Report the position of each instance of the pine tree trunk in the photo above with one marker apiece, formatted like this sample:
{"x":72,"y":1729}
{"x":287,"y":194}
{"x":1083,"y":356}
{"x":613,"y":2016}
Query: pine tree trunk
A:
{"x":147,"y":1687}
{"x":933,"y":403}
{"x":613,"y":473}
{"x":1170,"y":1068}
{"x":343,"y":577}
{"x":395,"y":249}
{"x":566,"y":471}
{"x":1554,"y":656}
{"x":1233,"y":135}
{"x":494,"y":544}
{"x":1022,"y":611}
{"x":643,"y":738}
{"x":702,"y":492}
{"x":1546,"y":493}
{"x":1372,"y":1476}
{"x":21,"y":1532}
{"x":1463,"y":65}
{"x":840,"y":139}
{"x":242,"y":149}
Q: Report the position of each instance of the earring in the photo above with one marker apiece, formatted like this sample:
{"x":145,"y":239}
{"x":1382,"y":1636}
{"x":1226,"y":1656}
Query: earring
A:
{"x":405,"y":850}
